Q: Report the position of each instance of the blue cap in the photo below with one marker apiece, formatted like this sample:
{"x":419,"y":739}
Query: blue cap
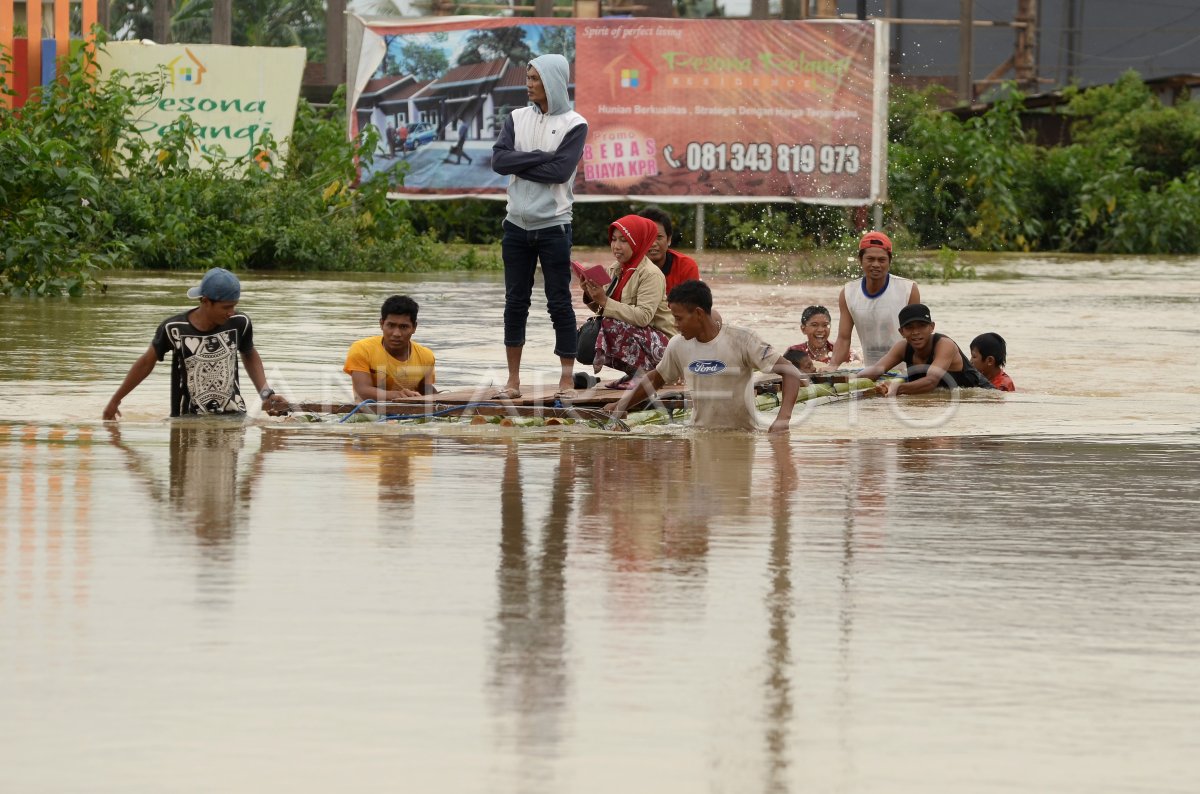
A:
{"x":218,"y":284}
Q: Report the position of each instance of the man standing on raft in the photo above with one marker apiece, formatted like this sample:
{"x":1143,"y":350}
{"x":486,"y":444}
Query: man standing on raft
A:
{"x":872,"y":302}
{"x":539,"y":149}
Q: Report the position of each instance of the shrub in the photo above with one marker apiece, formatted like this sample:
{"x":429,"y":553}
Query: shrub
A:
{"x":82,"y":191}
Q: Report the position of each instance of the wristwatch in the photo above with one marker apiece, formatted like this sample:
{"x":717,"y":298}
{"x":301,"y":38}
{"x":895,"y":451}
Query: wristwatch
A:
{"x":266,"y":392}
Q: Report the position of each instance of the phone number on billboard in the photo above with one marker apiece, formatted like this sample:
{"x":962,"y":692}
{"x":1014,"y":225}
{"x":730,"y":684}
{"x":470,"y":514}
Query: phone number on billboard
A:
{"x":787,"y":158}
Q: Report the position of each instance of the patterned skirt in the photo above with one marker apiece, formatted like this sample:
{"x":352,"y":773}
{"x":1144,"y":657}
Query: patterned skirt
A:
{"x":629,"y":348}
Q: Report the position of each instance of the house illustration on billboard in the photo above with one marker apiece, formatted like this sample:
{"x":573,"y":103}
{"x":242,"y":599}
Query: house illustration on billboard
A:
{"x":481,"y":94}
{"x":631,"y":71}
{"x":185,"y":72}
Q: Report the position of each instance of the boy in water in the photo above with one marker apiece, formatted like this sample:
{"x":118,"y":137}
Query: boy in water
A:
{"x":988,"y":354}
{"x":932,"y":360}
{"x":204,"y":343}
{"x":718,"y":363}
{"x":815,"y":323}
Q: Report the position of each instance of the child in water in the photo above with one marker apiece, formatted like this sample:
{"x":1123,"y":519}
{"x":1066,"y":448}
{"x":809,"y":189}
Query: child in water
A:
{"x":815,"y":322}
{"x":988,"y":354}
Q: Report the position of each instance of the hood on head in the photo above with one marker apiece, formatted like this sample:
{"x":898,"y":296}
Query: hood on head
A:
{"x":555,"y":72}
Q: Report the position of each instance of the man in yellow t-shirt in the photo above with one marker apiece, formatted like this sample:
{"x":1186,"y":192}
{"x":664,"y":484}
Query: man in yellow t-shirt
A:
{"x":391,"y":366}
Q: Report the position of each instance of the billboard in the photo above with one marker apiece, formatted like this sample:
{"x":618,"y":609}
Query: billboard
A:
{"x":233,"y":94}
{"x":677,"y":110}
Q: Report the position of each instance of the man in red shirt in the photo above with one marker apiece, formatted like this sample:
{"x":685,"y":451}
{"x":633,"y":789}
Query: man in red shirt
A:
{"x":677,"y":267}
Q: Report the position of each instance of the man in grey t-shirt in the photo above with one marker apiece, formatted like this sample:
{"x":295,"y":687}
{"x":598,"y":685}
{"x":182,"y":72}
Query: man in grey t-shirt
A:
{"x":717,"y":362}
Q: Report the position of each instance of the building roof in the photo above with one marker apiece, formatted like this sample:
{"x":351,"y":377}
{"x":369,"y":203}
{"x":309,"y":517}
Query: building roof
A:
{"x":384,"y":85}
{"x":515,"y":78}
{"x":474,"y":72}
{"x":1174,"y":85}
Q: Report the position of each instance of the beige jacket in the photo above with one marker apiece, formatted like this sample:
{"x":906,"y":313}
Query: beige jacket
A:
{"x":644,"y":299}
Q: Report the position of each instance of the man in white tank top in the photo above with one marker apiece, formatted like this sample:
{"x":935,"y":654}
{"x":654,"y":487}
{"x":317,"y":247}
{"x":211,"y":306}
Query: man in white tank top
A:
{"x":872,"y":303}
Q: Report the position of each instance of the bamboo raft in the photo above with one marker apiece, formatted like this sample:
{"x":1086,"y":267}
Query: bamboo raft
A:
{"x":541,"y":406}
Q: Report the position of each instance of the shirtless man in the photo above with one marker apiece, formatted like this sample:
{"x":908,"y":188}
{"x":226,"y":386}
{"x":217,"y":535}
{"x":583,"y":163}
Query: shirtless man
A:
{"x":872,"y":302}
{"x":933,"y":360}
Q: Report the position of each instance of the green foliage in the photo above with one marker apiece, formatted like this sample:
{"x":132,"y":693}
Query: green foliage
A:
{"x":487,"y":44}
{"x":255,"y":23}
{"x":423,"y":61}
{"x":83,"y":191}
{"x":56,"y":214}
{"x":966,"y":184}
{"x":1128,"y":182}
{"x":1126,"y":115}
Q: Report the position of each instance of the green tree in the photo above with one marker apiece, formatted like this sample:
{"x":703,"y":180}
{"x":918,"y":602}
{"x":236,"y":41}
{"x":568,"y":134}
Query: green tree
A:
{"x":425,"y":61}
{"x":558,"y":39}
{"x":1163,"y":140}
{"x":256,"y":23}
{"x":491,"y":44}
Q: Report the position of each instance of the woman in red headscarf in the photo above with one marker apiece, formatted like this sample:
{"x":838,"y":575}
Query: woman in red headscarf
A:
{"x":635,"y":323}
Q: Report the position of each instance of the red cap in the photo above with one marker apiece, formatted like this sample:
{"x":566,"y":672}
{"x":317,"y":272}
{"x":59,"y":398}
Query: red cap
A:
{"x":875,"y":240}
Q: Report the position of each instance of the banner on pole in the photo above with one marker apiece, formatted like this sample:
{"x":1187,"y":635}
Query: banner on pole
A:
{"x":677,"y":110}
{"x":233,"y":94}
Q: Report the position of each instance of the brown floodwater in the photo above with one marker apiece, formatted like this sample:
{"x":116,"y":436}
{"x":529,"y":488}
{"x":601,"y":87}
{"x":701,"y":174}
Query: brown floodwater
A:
{"x":998,"y":593}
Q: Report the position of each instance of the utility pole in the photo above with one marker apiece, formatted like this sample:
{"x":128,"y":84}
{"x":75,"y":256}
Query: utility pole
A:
{"x":966,"y":31}
{"x":794,"y":9}
{"x":162,"y":21}
{"x":335,"y":41}
{"x":1072,"y":37}
{"x":1025,"y":48}
{"x":222,"y":22}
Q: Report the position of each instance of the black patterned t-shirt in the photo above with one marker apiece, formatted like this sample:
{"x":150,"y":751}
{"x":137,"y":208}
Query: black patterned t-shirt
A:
{"x":204,"y":364}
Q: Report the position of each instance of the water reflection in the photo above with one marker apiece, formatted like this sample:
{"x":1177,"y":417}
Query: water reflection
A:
{"x":780,"y":616}
{"x":202,"y":488}
{"x":49,"y":510}
{"x":399,"y":469}
{"x":530,"y":676}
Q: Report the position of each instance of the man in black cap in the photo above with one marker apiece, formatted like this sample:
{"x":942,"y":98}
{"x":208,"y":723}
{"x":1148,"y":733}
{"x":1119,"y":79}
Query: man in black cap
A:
{"x":204,"y":343}
{"x":934,"y":361}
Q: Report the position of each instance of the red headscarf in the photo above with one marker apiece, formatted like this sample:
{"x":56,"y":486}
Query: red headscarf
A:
{"x":640,"y":232}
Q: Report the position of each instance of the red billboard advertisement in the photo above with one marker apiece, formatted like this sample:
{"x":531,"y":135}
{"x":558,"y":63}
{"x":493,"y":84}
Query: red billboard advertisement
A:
{"x":677,"y":110}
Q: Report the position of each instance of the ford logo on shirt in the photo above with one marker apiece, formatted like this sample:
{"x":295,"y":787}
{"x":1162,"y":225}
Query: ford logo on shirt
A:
{"x":710,"y":367}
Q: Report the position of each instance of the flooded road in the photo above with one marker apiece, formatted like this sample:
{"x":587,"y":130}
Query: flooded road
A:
{"x":1000,"y":593}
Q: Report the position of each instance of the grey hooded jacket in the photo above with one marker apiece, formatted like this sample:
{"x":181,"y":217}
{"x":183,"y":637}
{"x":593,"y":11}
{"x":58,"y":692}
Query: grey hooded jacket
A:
{"x":540,"y":152}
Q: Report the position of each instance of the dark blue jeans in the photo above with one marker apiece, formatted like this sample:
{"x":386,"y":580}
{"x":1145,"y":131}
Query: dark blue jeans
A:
{"x":522,"y":249}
